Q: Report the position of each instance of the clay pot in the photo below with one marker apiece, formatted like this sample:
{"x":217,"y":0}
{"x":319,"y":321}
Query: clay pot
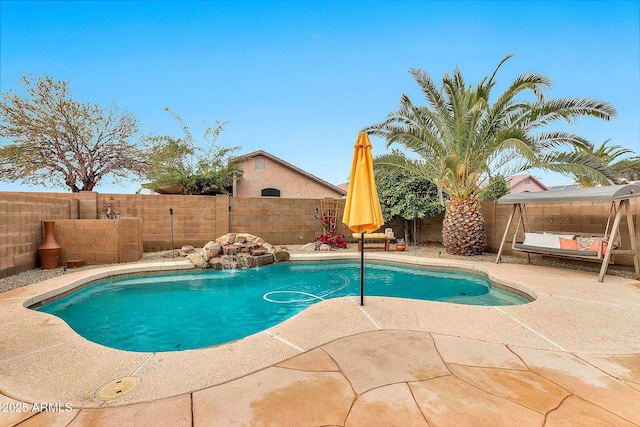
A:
{"x":401,"y":246}
{"x":49,"y":251}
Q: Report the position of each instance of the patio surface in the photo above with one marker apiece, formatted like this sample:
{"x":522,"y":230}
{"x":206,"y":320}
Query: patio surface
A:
{"x":570,"y":358}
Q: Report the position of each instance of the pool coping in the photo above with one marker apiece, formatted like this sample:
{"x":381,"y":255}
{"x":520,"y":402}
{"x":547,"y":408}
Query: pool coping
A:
{"x":601,"y":318}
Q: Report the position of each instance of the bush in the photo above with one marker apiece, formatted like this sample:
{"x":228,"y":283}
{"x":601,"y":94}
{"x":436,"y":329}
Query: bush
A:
{"x":334,"y":241}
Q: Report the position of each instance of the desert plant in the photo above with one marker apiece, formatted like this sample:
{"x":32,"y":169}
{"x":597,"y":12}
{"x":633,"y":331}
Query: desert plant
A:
{"x":462,"y":137}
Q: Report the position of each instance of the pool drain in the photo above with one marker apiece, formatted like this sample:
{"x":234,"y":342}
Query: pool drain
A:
{"x":117,"y":388}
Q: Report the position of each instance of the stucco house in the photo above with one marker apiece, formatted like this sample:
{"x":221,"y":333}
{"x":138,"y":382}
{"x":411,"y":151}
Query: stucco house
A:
{"x":264,"y":175}
{"x":524,"y":183}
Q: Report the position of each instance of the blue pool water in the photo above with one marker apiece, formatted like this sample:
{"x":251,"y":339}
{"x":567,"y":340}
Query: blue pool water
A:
{"x":182,"y":311}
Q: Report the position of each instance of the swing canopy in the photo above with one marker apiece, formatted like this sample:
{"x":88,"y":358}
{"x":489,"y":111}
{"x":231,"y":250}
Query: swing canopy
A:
{"x":617,"y":195}
{"x":609,"y":193}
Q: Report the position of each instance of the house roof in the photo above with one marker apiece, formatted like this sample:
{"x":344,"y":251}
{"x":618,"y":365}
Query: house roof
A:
{"x":562,"y":187}
{"x":607,"y":193}
{"x":514,"y":180}
{"x":292,"y":167}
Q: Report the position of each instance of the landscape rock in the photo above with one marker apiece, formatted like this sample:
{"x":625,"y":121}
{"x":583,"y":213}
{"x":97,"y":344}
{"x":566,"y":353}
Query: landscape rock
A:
{"x":228,"y":262}
{"x":227,"y":239}
{"x":175,"y":254}
{"x":281,"y":254}
{"x":241,"y":250}
{"x":324,"y":248}
{"x":211,"y":245}
{"x":187,"y":249}
{"x":216,"y":263}
{"x":211,"y":253}
{"x":212,"y":249}
{"x":268,"y":247}
{"x":230,"y":249}
{"x":245,"y":261}
{"x":197,"y":260}
{"x":263,"y":260}
{"x":246,"y":237}
{"x":309,"y":247}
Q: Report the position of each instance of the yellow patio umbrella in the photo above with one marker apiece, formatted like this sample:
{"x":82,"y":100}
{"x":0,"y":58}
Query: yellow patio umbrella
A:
{"x":362,"y":210}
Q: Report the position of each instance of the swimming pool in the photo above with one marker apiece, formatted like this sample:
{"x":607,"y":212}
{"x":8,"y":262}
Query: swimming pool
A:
{"x":169,"y":312}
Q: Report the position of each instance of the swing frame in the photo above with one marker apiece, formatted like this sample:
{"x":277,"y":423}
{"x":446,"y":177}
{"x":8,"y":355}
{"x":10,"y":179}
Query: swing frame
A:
{"x":617,"y":195}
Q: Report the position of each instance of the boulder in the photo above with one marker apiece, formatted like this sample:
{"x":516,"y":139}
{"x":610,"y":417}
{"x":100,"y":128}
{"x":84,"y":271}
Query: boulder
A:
{"x":236,"y":250}
{"x":281,"y":255}
{"x":263,"y":260}
{"x":212,"y":252}
{"x":247,"y":247}
{"x":309,"y":247}
{"x":324,"y":248}
{"x":245,"y":261}
{"x":230,"y":249}
{"x":197,"y":260}
{"x":226,"y":239}
{"x":216,"y":263}
{"x":211,"y":244}
{"x":172,"y":254}
{"x":258,"y":251}
{"x":187,"y":249}
{"x":228,"y":262}
{"x":248,"y":237}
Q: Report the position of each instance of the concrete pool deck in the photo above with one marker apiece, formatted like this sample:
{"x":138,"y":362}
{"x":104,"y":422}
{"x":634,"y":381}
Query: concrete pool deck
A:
{"x":571,"y":357}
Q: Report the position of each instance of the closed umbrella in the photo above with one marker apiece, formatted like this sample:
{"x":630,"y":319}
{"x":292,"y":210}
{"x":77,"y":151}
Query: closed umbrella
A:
{"x":362,"y":211}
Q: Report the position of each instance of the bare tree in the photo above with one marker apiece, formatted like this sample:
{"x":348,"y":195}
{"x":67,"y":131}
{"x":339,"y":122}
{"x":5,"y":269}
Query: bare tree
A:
{"x":48,"y":138}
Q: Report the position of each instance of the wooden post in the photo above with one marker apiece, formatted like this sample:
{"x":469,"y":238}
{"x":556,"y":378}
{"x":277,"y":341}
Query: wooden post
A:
{"x":504,"y":237}
{"x":614,"y":230}
{"x":632,"y":238}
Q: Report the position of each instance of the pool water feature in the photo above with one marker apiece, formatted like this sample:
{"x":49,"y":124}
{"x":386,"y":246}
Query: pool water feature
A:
{"x":180,"y":311}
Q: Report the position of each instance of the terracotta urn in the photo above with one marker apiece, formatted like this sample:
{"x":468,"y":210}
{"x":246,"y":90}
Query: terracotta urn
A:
{"x":49,"y":251}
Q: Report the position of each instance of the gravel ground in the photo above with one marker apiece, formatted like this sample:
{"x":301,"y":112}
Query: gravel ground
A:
{"x":432,"y":250}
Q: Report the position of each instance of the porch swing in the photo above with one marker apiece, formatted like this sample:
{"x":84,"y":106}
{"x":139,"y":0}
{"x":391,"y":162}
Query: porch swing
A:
{"x":605,"y":245}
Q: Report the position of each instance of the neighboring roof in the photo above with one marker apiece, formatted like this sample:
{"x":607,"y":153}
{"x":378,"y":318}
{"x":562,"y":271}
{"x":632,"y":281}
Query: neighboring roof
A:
{"x":514,"y":180}
{"x":562,"y":187}
{"x":292,"y":167}
{"x":608,"y":193}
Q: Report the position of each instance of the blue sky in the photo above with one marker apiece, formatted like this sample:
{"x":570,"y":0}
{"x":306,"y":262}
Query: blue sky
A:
{"x":300,"y":79}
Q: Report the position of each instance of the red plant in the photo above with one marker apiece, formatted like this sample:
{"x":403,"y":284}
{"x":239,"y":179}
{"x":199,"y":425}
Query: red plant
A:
{"x":328,"y":222}
{"x":333,"y":240}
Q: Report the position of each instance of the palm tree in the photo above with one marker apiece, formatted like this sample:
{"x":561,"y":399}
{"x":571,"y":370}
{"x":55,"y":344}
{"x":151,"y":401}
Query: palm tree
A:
{"x":463,"y":139}
{"x":608,"y":158}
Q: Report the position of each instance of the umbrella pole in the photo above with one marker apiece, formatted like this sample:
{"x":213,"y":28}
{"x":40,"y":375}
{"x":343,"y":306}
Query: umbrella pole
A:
{"x":362,"y":269}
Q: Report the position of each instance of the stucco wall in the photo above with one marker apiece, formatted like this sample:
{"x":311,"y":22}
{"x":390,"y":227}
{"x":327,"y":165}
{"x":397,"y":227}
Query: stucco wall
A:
{"x":521,"y":187}
{"x":290,"y":183}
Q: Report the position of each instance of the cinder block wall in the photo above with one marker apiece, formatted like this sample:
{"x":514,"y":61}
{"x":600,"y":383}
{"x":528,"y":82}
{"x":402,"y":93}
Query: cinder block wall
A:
{"x":21,"y":228}
{"x":196,"y":219}
{"x":281,"y":221}
{"x":98,"y":241}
